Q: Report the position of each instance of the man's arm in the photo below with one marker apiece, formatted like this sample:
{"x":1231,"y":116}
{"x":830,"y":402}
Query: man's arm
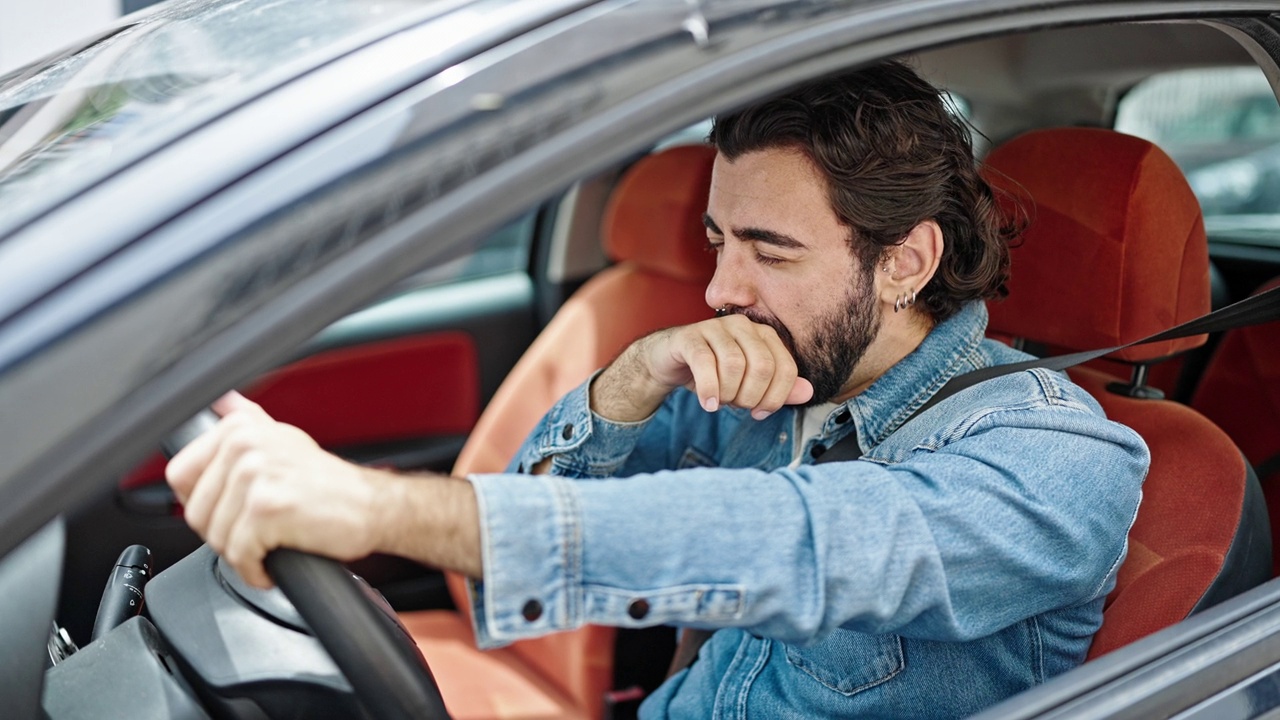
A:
{"x":726,"y":361}
{"x":251,"y":485}
{"x":954,"y":543}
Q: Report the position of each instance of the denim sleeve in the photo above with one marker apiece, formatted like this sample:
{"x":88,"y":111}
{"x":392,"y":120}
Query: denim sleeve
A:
{"x":1013,"y":512}
{"x":586,"y":445}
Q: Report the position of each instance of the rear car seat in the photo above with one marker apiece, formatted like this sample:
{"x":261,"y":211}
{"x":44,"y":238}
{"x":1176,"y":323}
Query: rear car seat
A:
{"x":1240,"y":391}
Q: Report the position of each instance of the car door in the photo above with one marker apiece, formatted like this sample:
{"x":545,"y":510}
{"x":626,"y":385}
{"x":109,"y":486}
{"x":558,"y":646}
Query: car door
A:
{"x":398,"y":384}
{"x":241,"y":347}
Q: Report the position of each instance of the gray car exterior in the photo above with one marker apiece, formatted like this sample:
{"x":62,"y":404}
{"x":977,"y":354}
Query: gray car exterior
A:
{"x":133,"y":296}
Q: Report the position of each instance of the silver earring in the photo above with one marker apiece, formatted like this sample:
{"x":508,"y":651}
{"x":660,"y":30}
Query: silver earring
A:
{"x":912,"y":301}
{"x":897,"y":303}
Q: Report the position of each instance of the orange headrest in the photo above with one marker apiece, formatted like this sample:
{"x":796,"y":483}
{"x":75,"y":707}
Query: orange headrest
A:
{"x":654,"y":218}
{"x":1116,"y":248}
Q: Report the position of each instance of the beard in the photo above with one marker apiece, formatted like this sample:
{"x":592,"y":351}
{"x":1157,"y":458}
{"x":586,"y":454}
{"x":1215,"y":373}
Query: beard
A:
{"x":840,"y":338}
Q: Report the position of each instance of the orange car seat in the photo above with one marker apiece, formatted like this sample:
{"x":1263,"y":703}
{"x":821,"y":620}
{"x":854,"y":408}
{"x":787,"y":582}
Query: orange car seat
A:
{"x":653,"y":228}
{"x":1240,"y":391}
{"x":1116,"y":251}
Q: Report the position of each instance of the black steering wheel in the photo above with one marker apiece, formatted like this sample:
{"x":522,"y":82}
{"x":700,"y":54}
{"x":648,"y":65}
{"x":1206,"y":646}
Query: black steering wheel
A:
{"x":387,"y":673}
{"x":391,"y":679}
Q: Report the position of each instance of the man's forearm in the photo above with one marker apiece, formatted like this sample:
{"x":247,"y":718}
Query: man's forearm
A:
{"x":625,"y":391}
{"x":433,"y":519}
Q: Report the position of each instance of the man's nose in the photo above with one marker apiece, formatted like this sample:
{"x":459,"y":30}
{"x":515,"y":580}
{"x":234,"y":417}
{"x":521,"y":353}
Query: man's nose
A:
{"x":731,"y":285}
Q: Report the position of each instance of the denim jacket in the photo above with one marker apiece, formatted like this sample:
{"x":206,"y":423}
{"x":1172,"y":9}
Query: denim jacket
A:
{"x":964,"y":558}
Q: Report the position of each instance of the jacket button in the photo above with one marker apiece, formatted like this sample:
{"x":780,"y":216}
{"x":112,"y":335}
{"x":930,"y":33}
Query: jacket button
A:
{"x":843,"y":417}
{"x":638,"y":609}
{"x":567,"y":432}
{"x":532,"y":610}
{"x":817,"y":450}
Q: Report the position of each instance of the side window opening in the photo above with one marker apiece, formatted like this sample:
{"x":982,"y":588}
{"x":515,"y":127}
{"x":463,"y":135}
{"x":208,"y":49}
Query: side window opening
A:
{"x":1222,"y":127}
{"x":502,"y":251}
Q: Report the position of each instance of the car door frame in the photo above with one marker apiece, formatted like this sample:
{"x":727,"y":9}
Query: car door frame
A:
{"x":1215,"y":651}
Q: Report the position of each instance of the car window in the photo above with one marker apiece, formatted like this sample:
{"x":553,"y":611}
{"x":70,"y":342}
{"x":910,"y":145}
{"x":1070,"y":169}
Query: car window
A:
{"x":502,"y":251}
{"x":1222,"y":127}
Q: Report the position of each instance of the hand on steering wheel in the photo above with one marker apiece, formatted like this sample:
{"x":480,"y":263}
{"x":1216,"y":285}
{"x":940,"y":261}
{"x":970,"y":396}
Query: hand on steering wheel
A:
{"x":387,"y":673}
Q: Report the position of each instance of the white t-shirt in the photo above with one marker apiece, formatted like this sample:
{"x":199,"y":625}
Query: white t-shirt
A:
{"x":809,"y":423}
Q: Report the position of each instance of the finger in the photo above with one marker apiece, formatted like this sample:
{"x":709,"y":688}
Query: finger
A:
{"x":234,"y":402}
{"x":184,"y":469}
{"x":230,"y":504}
{"x":801,"y":392}
{"x":783,"y":378}
{"x":236,"y":440}
{"x":246,"y":549}
{"x":761,"y":366}
{"x":730,"y":362}
{"x":697,"y":355}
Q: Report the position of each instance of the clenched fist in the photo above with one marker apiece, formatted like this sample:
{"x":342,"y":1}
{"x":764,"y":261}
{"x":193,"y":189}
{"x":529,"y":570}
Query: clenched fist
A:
{"x":727,"y":361}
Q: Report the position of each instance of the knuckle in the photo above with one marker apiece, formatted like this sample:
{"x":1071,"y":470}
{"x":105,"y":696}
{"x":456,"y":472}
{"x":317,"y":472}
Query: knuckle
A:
{"x":702,"y":354}
{"x":763,"y":368}
{"x":217,"y":540}
{"x":734,"y":362}
{"x":181,"y":482}
{"x":197,"y":518}
{"x":249,"y":465}
{"x":261,"y":502}
{"x":233,"y":554}
{"x":239,"y":439}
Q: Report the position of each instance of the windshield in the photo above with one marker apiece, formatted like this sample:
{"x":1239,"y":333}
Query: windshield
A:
{"x":67,"y":119}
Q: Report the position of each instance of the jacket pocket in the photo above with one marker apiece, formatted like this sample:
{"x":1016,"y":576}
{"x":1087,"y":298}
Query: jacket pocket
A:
{"x":849,"y":662}
{"x":695,"y":458}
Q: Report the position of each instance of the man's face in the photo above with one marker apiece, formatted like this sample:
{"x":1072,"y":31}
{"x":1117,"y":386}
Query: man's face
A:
{"x":784,"y":260}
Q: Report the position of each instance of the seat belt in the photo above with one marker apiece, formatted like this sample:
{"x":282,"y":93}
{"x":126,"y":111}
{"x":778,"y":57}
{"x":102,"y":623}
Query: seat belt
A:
{"x":1253,"y":310}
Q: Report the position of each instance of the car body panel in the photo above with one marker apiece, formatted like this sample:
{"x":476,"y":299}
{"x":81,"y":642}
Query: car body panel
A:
{"x":248,"y":243}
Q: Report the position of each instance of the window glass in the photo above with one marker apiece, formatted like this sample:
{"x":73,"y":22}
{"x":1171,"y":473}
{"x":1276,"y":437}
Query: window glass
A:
{"x":504,"y":250}
{"x":69,"y":117}
{"x":1222,"y":127}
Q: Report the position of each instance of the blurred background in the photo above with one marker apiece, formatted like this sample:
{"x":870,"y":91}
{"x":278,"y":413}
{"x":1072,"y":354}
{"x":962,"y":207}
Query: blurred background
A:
{"x":31,"y":30}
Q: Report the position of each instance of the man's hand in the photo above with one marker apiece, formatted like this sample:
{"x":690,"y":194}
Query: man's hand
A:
{"x":726,"y":361}
{"x":251,"y":484}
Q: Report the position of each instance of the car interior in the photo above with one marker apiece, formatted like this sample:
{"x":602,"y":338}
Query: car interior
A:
{"x":1147,"y":158}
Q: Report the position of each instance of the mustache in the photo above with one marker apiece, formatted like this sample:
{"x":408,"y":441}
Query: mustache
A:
{"x":757,"y":317}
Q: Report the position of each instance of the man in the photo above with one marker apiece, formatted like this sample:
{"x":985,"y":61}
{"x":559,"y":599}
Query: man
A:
{"x":963,"y":558}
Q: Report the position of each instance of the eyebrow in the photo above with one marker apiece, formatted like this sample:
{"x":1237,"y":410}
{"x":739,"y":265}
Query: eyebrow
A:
{"x":760,"y":235}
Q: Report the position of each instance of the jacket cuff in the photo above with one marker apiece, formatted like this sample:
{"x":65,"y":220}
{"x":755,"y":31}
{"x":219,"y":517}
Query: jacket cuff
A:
{"x":530,"y":543}
{"x":582,"y":443}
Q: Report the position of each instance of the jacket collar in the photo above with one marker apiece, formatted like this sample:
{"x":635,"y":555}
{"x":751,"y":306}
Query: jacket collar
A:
{"x":949,"y":349}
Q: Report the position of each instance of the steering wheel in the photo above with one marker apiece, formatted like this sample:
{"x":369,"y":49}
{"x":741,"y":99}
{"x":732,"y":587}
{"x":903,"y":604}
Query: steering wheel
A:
{"x":388,"y":675}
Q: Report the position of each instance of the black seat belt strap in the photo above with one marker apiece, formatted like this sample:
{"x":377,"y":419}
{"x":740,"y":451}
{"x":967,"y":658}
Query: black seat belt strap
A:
{"x":1254,"y":310}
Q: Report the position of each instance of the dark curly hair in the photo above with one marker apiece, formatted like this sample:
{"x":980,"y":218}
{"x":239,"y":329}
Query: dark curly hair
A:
{"x":894,"y":155}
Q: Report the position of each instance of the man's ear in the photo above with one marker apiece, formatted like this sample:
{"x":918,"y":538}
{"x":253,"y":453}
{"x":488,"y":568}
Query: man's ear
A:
{"x":910,"y":265}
